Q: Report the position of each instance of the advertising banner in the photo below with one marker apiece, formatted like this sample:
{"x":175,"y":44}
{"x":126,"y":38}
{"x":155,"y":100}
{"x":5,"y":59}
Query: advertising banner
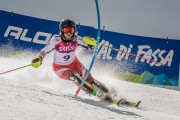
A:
{"x":135,"y":58}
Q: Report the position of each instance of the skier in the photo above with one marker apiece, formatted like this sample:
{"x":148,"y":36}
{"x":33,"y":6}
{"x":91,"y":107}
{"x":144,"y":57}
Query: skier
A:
{"x":65,"y":63}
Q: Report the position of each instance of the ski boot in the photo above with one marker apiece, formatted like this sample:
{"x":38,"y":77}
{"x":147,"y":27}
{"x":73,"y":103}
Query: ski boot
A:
{"x":96,"y":89}
{"x":101,"y":86}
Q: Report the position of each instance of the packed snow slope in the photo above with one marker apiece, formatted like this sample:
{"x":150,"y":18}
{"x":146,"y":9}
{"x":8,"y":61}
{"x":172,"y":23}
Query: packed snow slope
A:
{"x":38,"y":94}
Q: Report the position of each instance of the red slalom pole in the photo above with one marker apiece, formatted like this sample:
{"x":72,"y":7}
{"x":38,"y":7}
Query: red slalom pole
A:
{"x":16,"y":69}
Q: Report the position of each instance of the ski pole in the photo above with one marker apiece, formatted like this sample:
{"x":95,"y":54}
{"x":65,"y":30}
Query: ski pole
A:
{"x":16,"y":69}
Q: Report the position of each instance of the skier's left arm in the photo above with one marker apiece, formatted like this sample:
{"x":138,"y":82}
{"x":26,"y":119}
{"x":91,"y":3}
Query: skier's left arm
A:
{"x":85,"y":42}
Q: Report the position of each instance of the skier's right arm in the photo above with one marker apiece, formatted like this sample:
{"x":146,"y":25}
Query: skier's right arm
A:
{"x":47,"y":49}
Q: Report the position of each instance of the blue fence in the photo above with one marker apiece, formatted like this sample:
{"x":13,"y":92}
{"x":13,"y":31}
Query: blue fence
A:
{"x":142,"y":57}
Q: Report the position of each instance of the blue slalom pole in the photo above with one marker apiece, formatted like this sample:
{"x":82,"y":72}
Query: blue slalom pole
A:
{"x":95,"y":51}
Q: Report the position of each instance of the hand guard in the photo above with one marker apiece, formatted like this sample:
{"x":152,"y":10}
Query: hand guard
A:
{"x":36,"y":62}
{"x":89,"y":40}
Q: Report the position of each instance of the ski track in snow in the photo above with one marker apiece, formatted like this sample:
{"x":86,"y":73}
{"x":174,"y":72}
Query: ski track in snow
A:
{"x":38,"y":94}
{"x":22,"y":101}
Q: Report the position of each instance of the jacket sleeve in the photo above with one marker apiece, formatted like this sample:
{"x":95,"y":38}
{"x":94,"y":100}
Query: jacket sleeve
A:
{"x":81,"y":42}
{"x":48,"y":48}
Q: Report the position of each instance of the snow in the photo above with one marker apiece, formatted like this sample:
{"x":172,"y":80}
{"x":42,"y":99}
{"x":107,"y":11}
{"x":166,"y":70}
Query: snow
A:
{"x":38,"y":94}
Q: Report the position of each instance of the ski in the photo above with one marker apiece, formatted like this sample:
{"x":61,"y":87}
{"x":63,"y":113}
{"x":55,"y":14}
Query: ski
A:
{"x":125,"y":102}
{"x":88,"y":89}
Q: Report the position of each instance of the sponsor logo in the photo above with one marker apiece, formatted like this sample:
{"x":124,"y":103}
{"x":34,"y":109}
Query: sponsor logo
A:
{"x":144,"y":53}
{"x":21,"y":34}
{"x":67,"y":48}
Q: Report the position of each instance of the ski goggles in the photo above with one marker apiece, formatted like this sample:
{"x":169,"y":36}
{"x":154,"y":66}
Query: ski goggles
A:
{"x":67,"y":30}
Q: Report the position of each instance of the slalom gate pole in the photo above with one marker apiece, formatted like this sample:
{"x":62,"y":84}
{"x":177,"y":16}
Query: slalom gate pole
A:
{"x":95,"y":51}
{"x":16,"y":69}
